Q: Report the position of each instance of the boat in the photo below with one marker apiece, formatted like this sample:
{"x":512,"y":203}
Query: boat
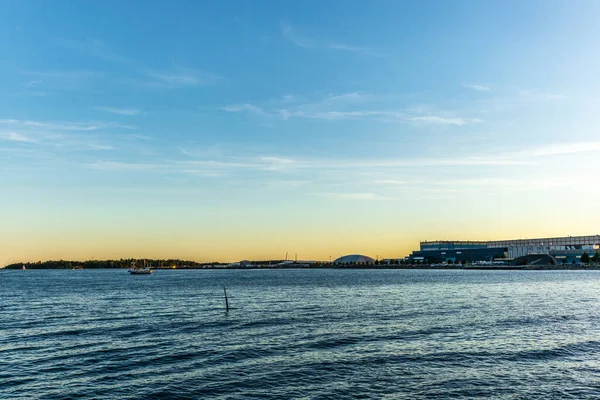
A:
{"x":140,"y":271}
{"x":77,"y":267}
{"x":23,"y":267}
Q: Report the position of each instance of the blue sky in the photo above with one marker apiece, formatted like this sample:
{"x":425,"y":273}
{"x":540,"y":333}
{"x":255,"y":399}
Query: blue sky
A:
{"x":224,"y":130}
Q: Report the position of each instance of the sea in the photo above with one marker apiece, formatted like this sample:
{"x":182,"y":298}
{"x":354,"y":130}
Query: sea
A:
{"x":300,"y":334}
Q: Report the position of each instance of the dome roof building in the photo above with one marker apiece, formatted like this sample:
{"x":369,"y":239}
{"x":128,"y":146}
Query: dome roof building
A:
{"x":355,"y":259}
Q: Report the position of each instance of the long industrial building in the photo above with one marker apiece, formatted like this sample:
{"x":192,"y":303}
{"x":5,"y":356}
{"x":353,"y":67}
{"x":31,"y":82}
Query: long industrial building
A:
{"x":565,"y":250}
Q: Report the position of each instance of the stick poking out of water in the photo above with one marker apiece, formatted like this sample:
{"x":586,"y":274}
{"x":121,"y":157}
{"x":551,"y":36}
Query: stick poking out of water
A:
{"x":226,"y":300}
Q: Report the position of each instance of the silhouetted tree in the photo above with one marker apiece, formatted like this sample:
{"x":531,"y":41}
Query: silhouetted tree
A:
{"x":585,"y":258}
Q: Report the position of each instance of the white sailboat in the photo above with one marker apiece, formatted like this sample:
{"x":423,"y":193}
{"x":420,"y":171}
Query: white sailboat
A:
{"x":139,"y":271}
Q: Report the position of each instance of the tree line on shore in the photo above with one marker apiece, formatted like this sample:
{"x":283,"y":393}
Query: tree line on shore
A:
{"x":175,"y":263}
{"x":187,"y":264}
{"x":122,"y":263}
{"x":586,"y":259}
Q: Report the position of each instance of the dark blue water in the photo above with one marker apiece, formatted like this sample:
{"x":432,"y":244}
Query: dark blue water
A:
{"x":310,"y":334}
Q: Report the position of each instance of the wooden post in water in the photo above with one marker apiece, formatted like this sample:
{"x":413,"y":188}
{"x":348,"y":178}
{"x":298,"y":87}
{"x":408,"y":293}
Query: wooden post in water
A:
{"x":226,"y":300}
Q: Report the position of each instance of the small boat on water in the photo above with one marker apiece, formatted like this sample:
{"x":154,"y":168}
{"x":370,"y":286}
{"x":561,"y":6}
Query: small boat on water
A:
{"x":23,"y":267}
{"x":140,"y":271}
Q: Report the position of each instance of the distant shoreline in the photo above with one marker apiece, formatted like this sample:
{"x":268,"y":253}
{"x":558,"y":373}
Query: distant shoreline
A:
{"x":179,"y":264}
{"x":349,"y":267}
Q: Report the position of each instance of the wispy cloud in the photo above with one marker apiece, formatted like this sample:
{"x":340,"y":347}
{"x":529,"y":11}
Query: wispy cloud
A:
{"x":207,"y":168}
{"x":353,"y":106}
{"x":121,"y":166}
{"x":252,"y":109}
{"x":439,"y":120}
{"x":282,"y":164}
{"x":63,"y":136}
{"x":520,"y":157}
{"x":56,"y":142}
{"x":96,"y":146}
{"x":300,"y":40}
{"x":285,"y":164}
{"x":332,"y":106}
{"x":510,"y":97}
{"x":288,"y":183}
{"x":390,"y":182}
{"x":331,"y":178}
{"x":213,"y":151}
{"x":289,"y":33}
{"x":479,"y":88}
{"x":96,"y":48}
{"x":139,"y":137}
{"x":32,"y":83}
{"x":425,"y":162}
{"x":564,"y":148}
{"x":203,"y":173}
{"x":174,"y":77}
{"x":536,"y":95}
{"x":120,"y":111}
{"x":345,"y":47}
{"x":381,"y":115}
{"x":56,"y":81}
{"x":529,"y":183}
{"x":352,"y":179}
{"x":352,"y":97}
{"x":335,"y":115}
{"x":276,"y":163}
{"x":179,"y":76}
{"x":64,"y":126}
{"x":16,"y":137}
{"x":352,"y":196}
{"x":63,"y":74}
{"x":204,"y":165}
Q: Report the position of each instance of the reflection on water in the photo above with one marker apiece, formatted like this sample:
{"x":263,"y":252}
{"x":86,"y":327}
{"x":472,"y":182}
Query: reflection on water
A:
{"x":300,"y":334}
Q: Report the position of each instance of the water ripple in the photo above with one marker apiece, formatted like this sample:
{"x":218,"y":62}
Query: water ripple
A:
{"x":322,"y":334}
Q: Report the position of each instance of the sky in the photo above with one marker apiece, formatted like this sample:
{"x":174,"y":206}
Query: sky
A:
{"x":228,"y":130}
